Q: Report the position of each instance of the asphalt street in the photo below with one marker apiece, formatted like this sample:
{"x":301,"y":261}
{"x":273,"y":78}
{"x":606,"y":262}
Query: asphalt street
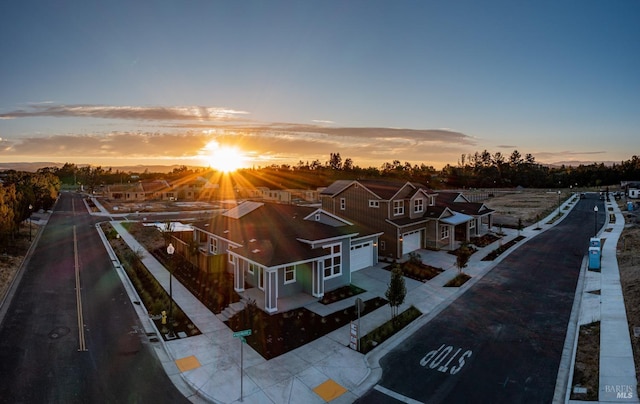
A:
{"x":70,"y":334}
{"x":502,"y":340}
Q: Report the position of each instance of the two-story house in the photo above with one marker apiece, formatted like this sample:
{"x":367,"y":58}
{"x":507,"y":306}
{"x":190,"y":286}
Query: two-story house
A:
{"x":405,"y":212}
{"x":284,"y":250}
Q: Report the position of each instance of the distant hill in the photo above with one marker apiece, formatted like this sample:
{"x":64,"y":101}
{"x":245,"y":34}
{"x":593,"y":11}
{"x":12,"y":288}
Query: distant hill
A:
{"x":584,"y":163}
{"x":33,"y":167}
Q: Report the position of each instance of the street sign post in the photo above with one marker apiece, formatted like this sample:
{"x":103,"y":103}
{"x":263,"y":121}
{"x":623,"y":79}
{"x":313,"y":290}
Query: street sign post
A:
{"x":240,"y":335}
{"x":243,"y":333}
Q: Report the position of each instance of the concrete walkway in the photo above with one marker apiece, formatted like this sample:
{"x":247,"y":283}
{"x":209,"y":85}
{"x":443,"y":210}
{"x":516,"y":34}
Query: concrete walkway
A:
{"x":617,"y":382}
{"x":207,"y":367}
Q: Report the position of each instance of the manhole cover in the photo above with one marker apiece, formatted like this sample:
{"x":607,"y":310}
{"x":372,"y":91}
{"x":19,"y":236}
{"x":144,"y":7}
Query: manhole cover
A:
{"x":58,"y":332}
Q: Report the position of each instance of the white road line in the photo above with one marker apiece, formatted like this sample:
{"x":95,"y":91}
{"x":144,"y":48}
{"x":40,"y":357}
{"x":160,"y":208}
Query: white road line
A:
{"x":395,"y":395}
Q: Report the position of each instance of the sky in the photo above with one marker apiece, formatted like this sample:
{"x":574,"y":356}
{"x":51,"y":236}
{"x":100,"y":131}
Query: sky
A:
{"x":172,"y":82}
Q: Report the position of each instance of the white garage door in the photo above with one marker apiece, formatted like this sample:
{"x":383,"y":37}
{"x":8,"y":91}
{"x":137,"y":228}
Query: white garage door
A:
{"x":361,"y":256}
{"x":411,"y":242}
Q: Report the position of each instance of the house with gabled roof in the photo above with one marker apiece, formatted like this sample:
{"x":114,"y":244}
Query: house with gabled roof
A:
{"x":286,"y":250}
{"x":407,"y":213}
{"x":482,"y":216}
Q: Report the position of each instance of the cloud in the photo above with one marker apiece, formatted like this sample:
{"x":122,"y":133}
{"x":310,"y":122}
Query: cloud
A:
{"x":197,"y":113}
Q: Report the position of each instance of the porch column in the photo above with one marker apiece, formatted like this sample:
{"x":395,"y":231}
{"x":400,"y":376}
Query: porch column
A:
{"x":238,"y":275}
{"x":452,"y":237}
{"x":271,"y":290}
{"x":317,"y":279}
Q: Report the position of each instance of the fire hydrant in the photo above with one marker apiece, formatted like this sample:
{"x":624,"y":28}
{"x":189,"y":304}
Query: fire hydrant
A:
{"x":164,"y":317}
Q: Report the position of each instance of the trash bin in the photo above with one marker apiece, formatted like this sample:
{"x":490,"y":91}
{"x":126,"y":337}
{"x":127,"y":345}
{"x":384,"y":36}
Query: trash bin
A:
{"x":629,"y":206}
{"x":594,"y":242}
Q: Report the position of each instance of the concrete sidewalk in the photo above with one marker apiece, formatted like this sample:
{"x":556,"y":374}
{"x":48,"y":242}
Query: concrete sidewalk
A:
{"x":207,"y":367}
{"x":617,"y":382}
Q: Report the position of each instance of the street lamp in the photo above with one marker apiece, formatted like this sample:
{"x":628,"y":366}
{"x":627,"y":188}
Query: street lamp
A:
{"x":595,"y":220}
{"x":170,"y":250}
{"x":30,"y":209}
{"x":558,"y":204}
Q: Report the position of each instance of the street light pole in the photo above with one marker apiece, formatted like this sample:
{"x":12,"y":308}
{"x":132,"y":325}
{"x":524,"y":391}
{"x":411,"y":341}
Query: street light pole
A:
{"x":170,"y":250}
{"x":595,"y":220}
{"x":30,"y":209}
{"x":558,"y":204}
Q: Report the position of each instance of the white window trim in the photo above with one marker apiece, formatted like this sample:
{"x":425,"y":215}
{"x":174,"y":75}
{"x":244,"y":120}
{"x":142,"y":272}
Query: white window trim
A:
{"x":398,"y":208}
{"x":444,"y":232}
{"x":374,"y":204}
{"x":418,"y":206}
{"x":289,"y":269}
{"x":213,"y":245}
{"x":251,"y":267}
{"x":472,"y":224}
{"x":332,"y":256}
{"x":343,"y":203}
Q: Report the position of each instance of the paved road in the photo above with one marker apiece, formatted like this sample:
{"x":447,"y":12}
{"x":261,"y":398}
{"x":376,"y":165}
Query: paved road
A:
{"x":52,"y":350}
{"x":501,"y":342}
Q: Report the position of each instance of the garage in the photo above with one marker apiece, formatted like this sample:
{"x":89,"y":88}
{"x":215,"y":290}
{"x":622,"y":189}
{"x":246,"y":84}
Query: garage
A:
{"x":411,"y":241}
{"x":361,"y":256}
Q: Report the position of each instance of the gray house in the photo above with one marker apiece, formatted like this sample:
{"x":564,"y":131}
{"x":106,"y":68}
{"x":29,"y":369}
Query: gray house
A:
{"x":284,"y":250}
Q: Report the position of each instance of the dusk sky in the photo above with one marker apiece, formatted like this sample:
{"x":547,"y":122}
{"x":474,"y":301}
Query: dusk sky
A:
{"x":116,"y":83}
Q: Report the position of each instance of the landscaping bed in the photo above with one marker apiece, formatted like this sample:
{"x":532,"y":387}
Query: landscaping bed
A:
{"x":417,"y":270}
{"x":153,"y":296}
{"x":498,"y":251}
{"x":388,"y":329}
{"x":458,"y":281}
{"x":586,"y":370}
{"x":484,"y":240}
{"x":342,"y":293}
{"x":274,"y":335}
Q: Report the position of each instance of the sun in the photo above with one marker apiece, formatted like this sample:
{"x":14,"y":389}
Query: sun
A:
{"x":224,"y":158}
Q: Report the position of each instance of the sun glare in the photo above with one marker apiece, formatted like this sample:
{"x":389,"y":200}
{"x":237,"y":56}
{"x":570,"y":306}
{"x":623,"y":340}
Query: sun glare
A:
{"x":224,"y":158}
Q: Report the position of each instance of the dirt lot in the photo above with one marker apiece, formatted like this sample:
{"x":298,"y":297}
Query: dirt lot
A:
{"x":530,"y":205}
{"x":629,"y":265}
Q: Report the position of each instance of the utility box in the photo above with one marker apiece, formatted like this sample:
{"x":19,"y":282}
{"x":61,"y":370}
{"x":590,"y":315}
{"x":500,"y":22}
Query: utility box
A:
{"x":594,"y":242}
{"x":594,"y":258}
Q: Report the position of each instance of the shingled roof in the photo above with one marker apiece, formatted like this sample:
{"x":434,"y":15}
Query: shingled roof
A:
{"x":275,"y":234}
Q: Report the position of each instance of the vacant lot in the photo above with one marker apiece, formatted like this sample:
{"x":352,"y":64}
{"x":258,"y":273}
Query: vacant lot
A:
{"x":530,"y":205}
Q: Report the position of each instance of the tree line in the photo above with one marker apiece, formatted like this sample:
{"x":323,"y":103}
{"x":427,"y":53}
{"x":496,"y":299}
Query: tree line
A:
{"x":22,"y":193}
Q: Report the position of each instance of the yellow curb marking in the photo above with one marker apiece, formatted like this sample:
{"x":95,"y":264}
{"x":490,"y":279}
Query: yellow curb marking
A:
{"x":329,"y":390}
{"x":188,"y":363}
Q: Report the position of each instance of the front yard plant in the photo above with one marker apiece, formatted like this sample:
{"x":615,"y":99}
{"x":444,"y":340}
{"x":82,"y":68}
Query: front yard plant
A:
{"x":388,"y":329}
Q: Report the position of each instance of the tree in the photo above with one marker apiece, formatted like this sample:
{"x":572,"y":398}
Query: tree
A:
{"x":396,"y":291}
{"x":462,"y":258}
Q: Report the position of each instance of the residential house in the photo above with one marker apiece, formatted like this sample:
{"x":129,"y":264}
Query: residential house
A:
{"x":284,"y":250}
{"x":631,"y":189}
{"x":481,"y":215}
{"x":407,"y":213}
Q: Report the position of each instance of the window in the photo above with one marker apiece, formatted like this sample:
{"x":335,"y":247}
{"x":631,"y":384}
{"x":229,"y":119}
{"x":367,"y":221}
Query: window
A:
{"x":252,"y":268}
{"x":289,"y":274}
{"x":213,"y":245}
{"x":472,"y":224}
{"x":444,"y":232}
{"x":374,"y":204}
{"x":418,"y":206}
{"x":317,"y":217}
{"x":332,"y":263}
{"x":398,"y":208}
{"x":343,"y":203}
{"x":432,"y":201}
{"x":383,"y":246}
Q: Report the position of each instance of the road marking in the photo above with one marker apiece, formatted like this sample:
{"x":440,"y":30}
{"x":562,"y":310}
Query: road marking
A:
{"x":395,"y":395}
{"x":435,"y":359}
{"x":81,"y":341}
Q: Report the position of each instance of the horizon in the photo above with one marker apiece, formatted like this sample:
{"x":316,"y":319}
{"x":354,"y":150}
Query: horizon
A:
{"x":124,"y":85}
